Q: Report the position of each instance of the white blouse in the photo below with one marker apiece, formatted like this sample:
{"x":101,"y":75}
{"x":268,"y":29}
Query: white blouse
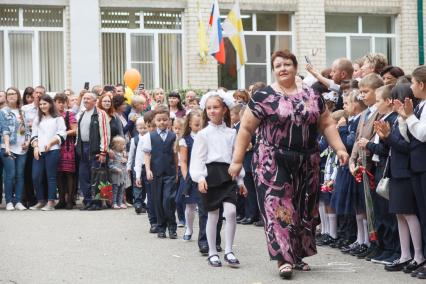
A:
{"x":182,"y":142}
{"x":48,"y":128}
{"x":139,"y":155}
{"x":215,"y":143}
{"x":417,"y":126}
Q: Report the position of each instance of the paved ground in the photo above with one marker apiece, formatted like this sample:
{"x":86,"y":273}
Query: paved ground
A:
{"x":115,"y":247}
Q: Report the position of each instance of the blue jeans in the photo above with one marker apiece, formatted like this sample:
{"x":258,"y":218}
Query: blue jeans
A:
{"x":117,"y":194}
{"x":14,"y":176}
{"x":48,"y":162}
{"x":85,"y":174}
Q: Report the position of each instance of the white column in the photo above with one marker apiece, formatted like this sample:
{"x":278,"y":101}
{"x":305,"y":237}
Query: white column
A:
{"x":85,"y":43}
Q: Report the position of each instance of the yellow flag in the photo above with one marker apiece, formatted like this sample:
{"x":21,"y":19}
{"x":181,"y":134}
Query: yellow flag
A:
{"x":202,"y":38}
{"x":233,"y":29}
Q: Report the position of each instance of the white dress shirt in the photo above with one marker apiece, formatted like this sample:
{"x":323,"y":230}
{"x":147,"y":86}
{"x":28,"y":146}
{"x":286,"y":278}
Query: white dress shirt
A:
{"x":147,"y":139}
{"x":139,"y":157}
{"x":417,"y":126}
{"x":47,"y":129}
{"x":215,"y":143}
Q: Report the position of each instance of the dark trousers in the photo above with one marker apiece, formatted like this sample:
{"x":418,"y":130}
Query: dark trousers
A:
{"x":386,"y":224}
{"x":180,"y":204}
{"x":251,"y":206}
{"x":29,"y":197}
{"x":152,"y":216}
{"x":164,"y":193}
{"x":85,"y":174}
{"x":418,"y":181}
{"x":202,"y":222}
{"x":139,"y":193}
{"x":346,"y":228}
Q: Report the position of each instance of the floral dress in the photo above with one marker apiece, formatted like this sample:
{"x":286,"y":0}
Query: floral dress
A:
{"x":286,"y":170}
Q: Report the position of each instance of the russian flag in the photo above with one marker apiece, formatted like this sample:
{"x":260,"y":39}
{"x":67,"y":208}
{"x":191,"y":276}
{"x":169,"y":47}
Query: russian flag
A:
{"x":217,"y":44}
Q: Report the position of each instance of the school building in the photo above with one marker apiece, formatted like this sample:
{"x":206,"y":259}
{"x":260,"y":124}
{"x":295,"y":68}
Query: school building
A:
{"x":64,"y":43}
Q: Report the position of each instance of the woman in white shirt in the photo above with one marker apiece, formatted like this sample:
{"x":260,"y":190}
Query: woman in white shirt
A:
{"x":48,"y":133}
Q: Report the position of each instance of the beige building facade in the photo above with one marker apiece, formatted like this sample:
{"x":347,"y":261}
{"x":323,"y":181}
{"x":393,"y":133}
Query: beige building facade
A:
{"x":65,"y":43}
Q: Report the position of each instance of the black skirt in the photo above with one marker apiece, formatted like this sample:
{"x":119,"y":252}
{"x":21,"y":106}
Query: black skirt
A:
{"x":221,"y":187}
{"x":401,"y":196}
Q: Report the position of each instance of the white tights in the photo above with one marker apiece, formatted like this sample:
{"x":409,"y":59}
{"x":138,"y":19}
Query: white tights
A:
{"x":189,"y":217}
{"x":410,"y":225}
{"x":230,"y":214}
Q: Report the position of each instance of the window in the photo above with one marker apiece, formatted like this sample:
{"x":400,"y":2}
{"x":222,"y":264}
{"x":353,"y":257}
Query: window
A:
{"x":354,"y":36}
{"x":2,"y":86}
{"x":150,"y":41}
{"x":264,"y":33}
{"x":32,"y":47}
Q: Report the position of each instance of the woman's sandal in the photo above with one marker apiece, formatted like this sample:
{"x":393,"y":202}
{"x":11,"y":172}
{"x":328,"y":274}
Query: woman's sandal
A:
{"x":302,"y":266}
{"x":216,"y":262}
{"x":233,"y":262}
{"x":286,"y":270}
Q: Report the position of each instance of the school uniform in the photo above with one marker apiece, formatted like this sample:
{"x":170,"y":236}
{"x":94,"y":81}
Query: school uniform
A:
{"x":401,"y":192}
{"x":386,"y":224}
{"x":140,"y":173}
{"x":345,"y":185}
{"x":192,"y":195}
{"x":417,"y":135}
{"x":160,"y":143}
{"x":139,"y":193}
{"x":210,"y":160}
{"x":365,"y":130}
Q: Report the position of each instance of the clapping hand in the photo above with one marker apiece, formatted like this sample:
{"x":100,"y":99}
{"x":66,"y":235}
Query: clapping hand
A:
{"x":404,"y":110}
{"x":382,"y":129}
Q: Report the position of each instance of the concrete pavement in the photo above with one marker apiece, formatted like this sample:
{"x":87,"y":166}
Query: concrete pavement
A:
{"x":115,"y":247}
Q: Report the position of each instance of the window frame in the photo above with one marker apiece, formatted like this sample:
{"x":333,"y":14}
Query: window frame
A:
{"x":35,"y":48}
{"x":155,"y":33}
{"x":372,"y":36}
{"x":241,"y":74}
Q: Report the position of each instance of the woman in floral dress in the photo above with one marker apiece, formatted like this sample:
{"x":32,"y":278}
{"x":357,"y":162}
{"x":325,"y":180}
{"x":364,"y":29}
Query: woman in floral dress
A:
{"x":289,"y":117}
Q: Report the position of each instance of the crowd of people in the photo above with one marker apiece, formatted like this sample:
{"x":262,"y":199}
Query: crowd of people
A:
{"x":330,"y":159}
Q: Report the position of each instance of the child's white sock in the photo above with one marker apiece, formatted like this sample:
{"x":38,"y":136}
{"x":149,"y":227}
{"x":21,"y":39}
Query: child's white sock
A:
{"x":323,"y":217}
{"x":189,"y":218}
{"x":332,"y":220}
{"x":366,"y":233}
{"x":360,"y":229}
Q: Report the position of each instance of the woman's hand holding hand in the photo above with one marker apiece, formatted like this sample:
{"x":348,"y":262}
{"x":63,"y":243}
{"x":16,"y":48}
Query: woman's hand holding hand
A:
{"x":235,"y":169}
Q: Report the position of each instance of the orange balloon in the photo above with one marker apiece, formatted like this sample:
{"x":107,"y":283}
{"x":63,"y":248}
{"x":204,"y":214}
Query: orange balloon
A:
{"x":132,"y":78}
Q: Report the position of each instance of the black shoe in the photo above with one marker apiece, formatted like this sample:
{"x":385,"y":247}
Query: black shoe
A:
{"x":173,"y":235}
{"x":232,"y":262}
{"x":161,"y":235}
{"x":143,"y":210}
{"x":325,"y":239}
{"x":412,"y":266}
{"x":241,"y":220}
{"x":259,"y":223}
{"x":375,"y":253}
{"x":85,"y":207}
{"x":348,"y":248}
{"x":218,"y":248}
{"x":370,"y":249}
{"x":358,"y":249}
{"x":153,"y":229}
{"x":421,"y":272}
{"x":60,"y":205}
{"x":421,"y":269}
{"x":204,"y":250}
{"x":380,"y":259}
{"x":69,"y":206}
{"x":138,"y":210}
{"x":187,"y":237}
{"x":247,"y":221}
{"x":214,"y":263}
{"x":94,"y":207}
{"x":397,"y":265}
{"x":334,"y":243}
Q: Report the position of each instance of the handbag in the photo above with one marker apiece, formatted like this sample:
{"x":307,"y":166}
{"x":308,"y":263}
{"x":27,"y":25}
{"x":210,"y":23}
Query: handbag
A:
{"x":382,"y":188}
{"x":101,"y":186}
